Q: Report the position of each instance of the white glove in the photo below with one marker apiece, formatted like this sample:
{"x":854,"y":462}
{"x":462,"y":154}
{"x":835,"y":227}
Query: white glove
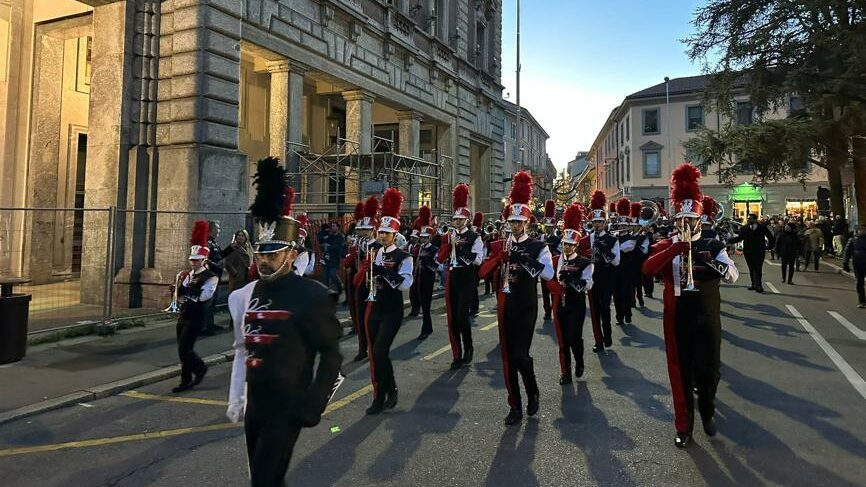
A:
{"x":235,"y":412}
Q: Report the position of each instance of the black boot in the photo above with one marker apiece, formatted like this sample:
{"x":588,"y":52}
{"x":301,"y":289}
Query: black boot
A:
{"x":608,"y":342}
{"x":710,"y":427}
{"x":598,"y":347}
{"x":564,"y":379}
{"x":391,"y":399}
{"x":683,"y":440}
{"x":515,"y":416}
{"x":377,"y":407}
{"x":183,"y":386}
{"x":456,"y":364}
{"x":199,"y":376}
{"x":578,"y":369}
{"x":361,"y":356}
{"x":532,"y":404}
{"x":467,"y":356}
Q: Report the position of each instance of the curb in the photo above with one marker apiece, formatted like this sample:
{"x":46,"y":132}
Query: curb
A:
{"x":122,"y":385}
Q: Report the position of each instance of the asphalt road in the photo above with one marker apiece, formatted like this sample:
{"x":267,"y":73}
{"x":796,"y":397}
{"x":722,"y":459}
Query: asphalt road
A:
{"x":791,"y":411}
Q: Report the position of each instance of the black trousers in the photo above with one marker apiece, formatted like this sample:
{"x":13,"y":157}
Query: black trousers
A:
{"x":648,"y":284}
{"x":623,"y":294}
{"x":860,"y":276}
{"x":812,"y":256}
{"x":382,"y":326}
{"x":473,"y":310}
{"x":569,"y":322}
{"x":459,"y":290}
{"x":699,"y":338}
{"x":414,"y":302}
{"x":271,"y":434}
{"x":545,"y":299}
{"x":361,"y":294}
{"x":755,"y":261}
{"x":426,"y":281}
{"x":188,"y":330}
{"x":519,"y":319}
{"x":788,"y":266}
{"x":602,"y":292}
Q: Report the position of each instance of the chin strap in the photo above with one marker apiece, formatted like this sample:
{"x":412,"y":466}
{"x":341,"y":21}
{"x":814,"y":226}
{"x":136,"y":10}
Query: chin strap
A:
{"x":277,"y":273}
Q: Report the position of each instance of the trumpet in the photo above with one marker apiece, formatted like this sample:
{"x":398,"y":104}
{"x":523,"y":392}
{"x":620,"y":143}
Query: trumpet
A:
{"x":506,"y":287}
{"x":371,"y":277}
{"x":443,"y":229}
{"x":689,"y":267}
{"x":173,"y":307}
{"x":489,"y":229}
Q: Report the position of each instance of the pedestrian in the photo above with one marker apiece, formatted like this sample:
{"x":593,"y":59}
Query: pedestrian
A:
{"x":840,"y":234}
{"x":237,"y":259}
{"x":392,"y":274}
{"x":461,"y":251}
{"x":692,"y":321}
{"x":754,"y":236}
{"x":333,"y":252}
{"x":855,"y":252}
{"x":572,"y":278}
{"x":603,"y":249}
{"x":788,"y":250}
{"x":775,"y":227}
{"x":526,"y":259}
{"x":425,"y":271}
{"x":814,"y":244}
{"x":195,"y":289}
{"x":215,"y":265}
{"x":283,"y":325}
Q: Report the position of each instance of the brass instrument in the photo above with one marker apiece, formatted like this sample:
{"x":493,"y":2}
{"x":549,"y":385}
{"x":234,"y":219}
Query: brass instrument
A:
{"x":453,"y":236}
{"x":443,"y":229}
{"x":173,"y":307}
{"x":489,"y":229}
{"x":506,"y":275}
{"x":686,"y":230}
{"x":371,"y":277}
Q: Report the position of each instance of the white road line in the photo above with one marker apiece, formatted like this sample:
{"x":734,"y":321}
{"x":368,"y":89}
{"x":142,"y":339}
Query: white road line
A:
{"x":773,"y":263}
{"x":437,"y":353}
{"x":857,"y":332}
{"x":849,"y":373}
{"x":772,"y":287}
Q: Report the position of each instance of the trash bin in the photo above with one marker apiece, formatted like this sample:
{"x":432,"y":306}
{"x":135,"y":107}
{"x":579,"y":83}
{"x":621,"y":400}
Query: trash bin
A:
{"x":14,"y":310}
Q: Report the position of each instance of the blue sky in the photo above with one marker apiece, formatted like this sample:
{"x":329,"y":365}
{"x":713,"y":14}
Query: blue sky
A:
{"x":581,"y":58}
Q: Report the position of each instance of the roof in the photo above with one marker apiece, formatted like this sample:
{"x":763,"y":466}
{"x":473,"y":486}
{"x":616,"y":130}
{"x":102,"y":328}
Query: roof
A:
{"x":678,"y":86}
{"x":524,"y":114}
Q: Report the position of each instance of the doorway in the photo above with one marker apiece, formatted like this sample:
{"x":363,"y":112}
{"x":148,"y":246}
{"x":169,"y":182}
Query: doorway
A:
{"x":742,"y":209}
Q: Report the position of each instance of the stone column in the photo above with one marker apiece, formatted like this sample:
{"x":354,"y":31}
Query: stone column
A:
{"x":359,"y":120}
{"x":410,"y":145}
{"x":286,"y":111}
{"x":107,"y":141}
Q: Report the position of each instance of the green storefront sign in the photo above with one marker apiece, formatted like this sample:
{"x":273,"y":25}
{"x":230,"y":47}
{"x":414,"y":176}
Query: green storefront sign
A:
{"x":746,"y":192}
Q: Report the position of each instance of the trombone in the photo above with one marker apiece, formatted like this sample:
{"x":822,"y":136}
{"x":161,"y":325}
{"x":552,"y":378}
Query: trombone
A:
{"x":506,"y":287}
{"x":371,"y":277}
{"x":173,"y":307}
{"x":686,"y":230}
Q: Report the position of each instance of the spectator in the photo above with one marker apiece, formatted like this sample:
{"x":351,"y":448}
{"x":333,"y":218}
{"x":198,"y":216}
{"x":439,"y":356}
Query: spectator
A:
{"x":826,"y":229}
{"x":855,"y":250}
{"x":840,"y":234}
{"x":334,"y":248}
{"x":788,"y":249}
{"x":776,"y":228}
{"x":237,"y":259}
{"x":215,"y":265}
{"x":814,"y":244}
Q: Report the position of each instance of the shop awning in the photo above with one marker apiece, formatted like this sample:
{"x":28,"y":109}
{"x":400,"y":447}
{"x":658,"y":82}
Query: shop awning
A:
{"x":746,"y":192}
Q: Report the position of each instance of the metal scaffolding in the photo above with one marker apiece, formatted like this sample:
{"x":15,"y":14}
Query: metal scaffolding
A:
{"x":332,"y":183}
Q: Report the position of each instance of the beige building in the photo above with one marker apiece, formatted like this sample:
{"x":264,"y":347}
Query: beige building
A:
{"x":641,"y":143}
{"x":165,"y":105}
{"x":526,"y":149}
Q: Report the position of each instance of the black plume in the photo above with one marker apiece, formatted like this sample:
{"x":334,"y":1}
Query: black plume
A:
{"x":270,"y":182}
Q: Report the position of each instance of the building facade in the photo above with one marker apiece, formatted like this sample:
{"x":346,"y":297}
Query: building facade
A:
{"x":641,"y":143}
{"x":152,"y":106}
{"x":526,"y":149}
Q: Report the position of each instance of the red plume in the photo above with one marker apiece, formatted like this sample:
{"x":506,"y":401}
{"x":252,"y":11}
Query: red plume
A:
{"x":549,"y":209}
{"x":289,"y":201}
{"x":371,"y":207}
{"x":623,"y":206}
{"x":303,"y":220}
{"x":521,"y":188}
{"x":200,"y":231}
{"x":612,"y":207}
{"x":710,"y":206}
{"x":416,"y":225}
{"x":478,"y":220}
{"x":684,"y":184}
{"x":461,"y":196}
{"x":635,"y":210}
{"x":359,"y":211}
{"x":392,"y":203}
{"x":425,"y":216}
{"x":573,"y":216}
{"x":598,"y":200}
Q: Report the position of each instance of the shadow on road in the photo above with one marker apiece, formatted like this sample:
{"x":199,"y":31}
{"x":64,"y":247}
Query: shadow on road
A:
{"x":631,"y":384}
{"x":512,"y":464}
{"x":637,"y":338}
{"x":771,"y":352}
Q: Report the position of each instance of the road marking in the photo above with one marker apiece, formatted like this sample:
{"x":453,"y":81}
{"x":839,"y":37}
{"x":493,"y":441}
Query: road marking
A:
{"x":490,"y":326}
{"x":772,"y":287}
{"x":187,"y":400}
{"x":437,"y":353}
{"x":857,"y":332}
{"x":773,"y":263}
{"x":843,"y":366}
{"x":155,"y":435}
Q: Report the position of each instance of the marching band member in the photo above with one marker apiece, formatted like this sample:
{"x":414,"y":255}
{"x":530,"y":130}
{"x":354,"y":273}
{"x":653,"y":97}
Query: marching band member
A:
{"x":603,"y":249}
{"x":478,"y":228}
{"x":412,"y":249}
{"x":391,"y":271}
{"x":426,"y":269}
{"x":552,"y":242}
{"x":305,"y":264}
{"x":525,"y":260}
{"x":572,"y":278}
{"x":350,"y":264}
{"x":367,"y":243}
{"x":195,"y":289}
{"x":282,"y":324}
{"x":461,"y":251}
{"x":708,"y":218}
{"x":691,"y":267}
{"x":629,"y":262}
{"x":643,"y":241}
